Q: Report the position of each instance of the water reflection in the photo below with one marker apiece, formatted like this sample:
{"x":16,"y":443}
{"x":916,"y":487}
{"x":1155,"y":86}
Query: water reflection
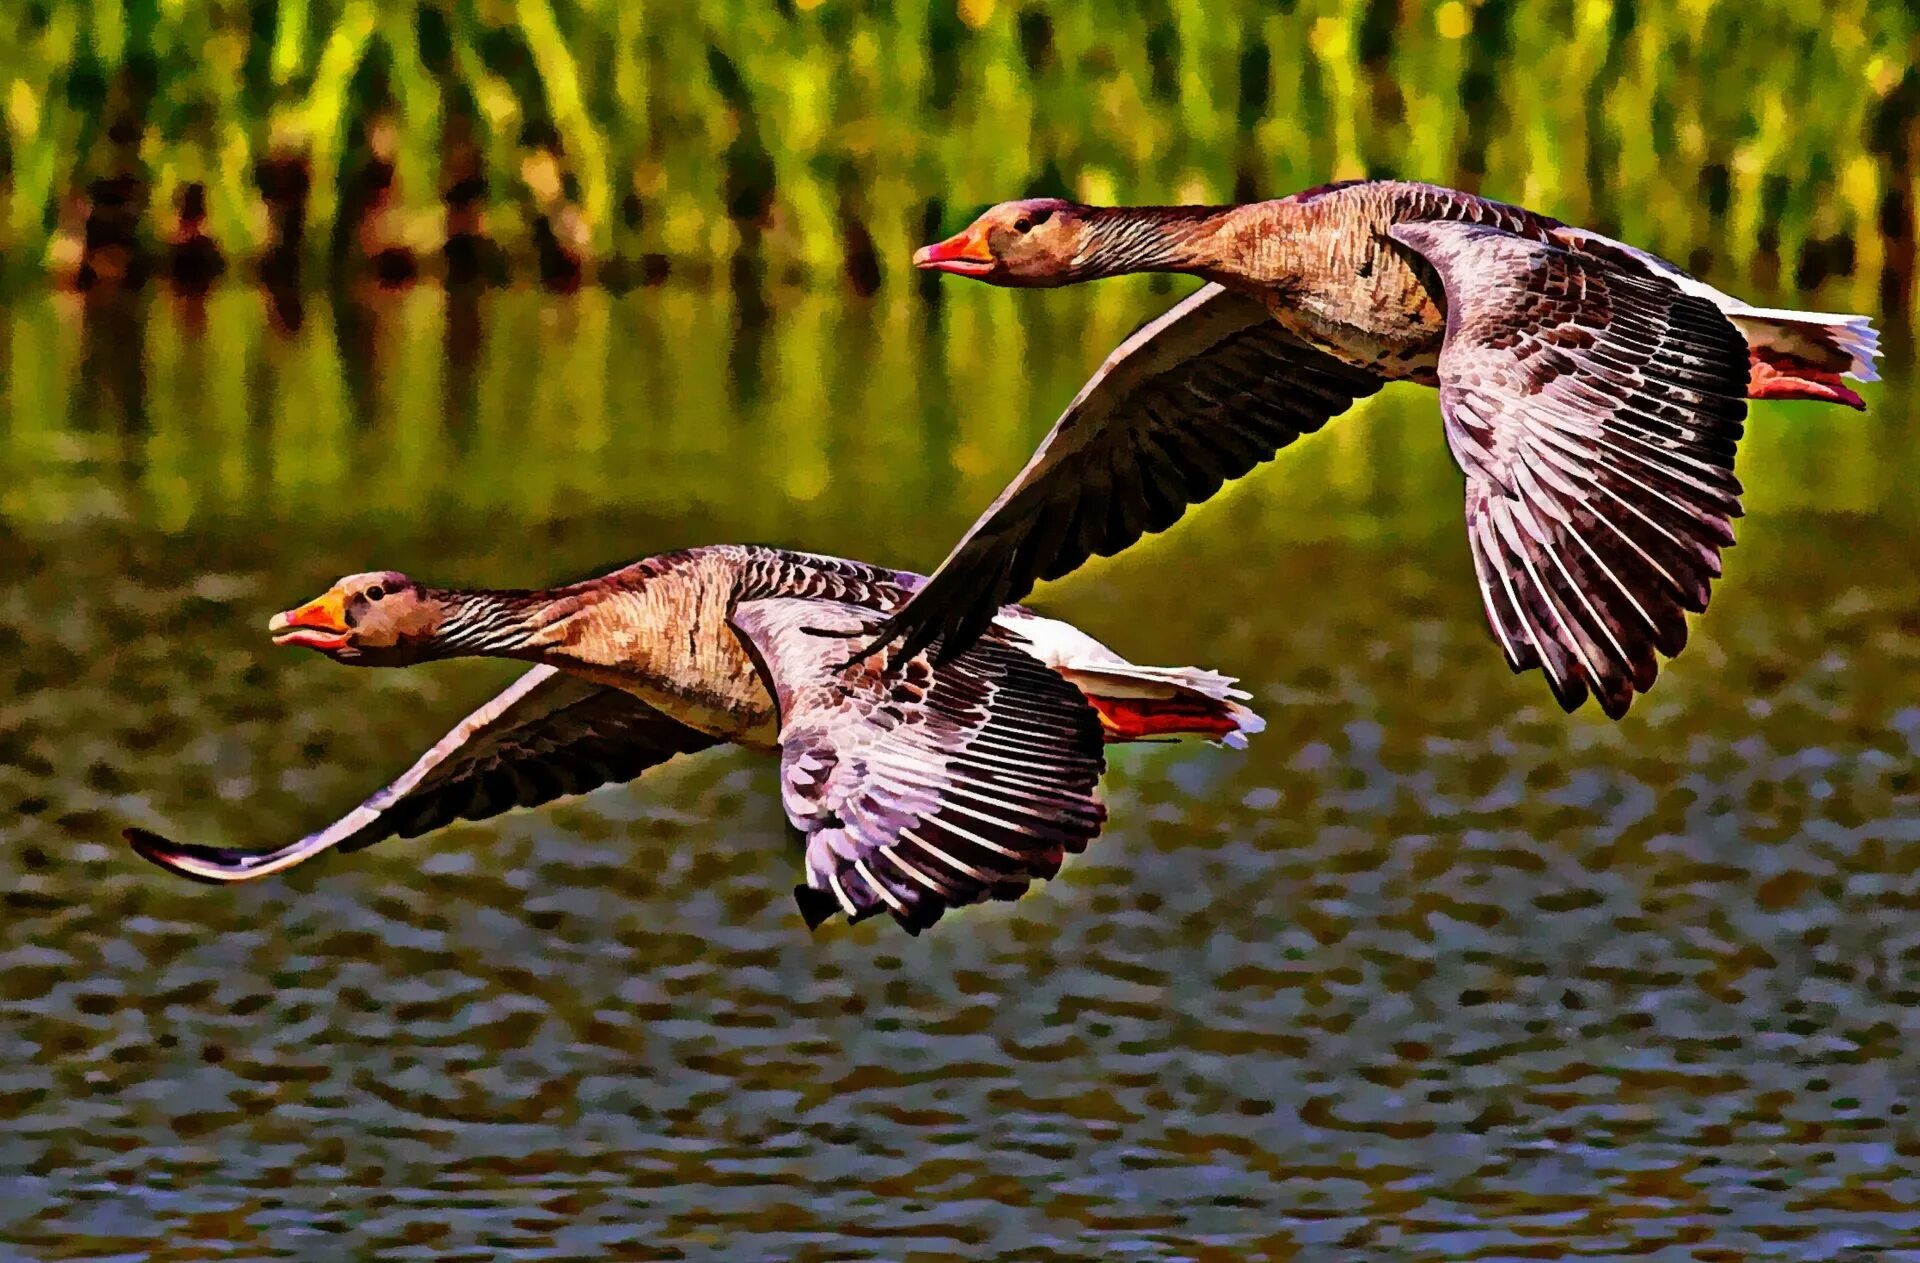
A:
{"x":1432,"y":971}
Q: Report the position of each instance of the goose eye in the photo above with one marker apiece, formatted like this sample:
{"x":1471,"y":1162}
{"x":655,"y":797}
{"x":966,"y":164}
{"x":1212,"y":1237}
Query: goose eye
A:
{"x":376,"y":592}
{"x":1022,"y":224}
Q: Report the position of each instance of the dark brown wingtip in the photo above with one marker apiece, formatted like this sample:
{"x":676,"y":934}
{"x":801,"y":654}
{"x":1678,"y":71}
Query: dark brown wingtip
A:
{"x":816,"y":906}
{"x":1614,"y":703}
{"x":162,"y":853}
{"x":1570,"y":693}
{"x":878,"y":639}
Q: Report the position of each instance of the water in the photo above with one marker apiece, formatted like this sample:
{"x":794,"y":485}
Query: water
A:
{"x":1430,"y":972}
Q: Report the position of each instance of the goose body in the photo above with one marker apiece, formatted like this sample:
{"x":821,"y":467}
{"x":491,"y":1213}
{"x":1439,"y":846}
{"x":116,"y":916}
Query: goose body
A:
{"x":1592,"y":394}
{"x":917,"y":786}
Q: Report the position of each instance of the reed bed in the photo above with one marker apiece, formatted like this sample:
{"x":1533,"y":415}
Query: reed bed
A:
{"x":824,"y":138}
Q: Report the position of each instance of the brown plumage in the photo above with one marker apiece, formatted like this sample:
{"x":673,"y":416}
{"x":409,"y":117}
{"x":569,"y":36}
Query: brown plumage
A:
{"x":1592,"y":393}
{"x":917,"y":787}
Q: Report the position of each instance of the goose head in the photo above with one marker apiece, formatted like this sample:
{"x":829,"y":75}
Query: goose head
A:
{"x":1036,"y":241}
{"x":381,"y":618}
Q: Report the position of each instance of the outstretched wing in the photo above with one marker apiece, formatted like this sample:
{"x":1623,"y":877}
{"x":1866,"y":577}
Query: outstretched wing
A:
{"x":1595,"y":412}
{"x":548,"y":735}
{"x":1193,"y":399}
{"x":927,"y":788}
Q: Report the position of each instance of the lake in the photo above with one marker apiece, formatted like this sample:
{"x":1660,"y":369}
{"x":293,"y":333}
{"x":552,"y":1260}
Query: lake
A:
{"x":1431,"y":971}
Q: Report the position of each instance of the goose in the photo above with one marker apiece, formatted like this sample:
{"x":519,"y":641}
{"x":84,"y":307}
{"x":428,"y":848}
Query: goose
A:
{"x":1592,"y":394}
{"x":916,"y":786}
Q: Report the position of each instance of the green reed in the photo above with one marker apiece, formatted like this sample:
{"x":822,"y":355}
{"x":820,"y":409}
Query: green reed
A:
{"x":1778,"y":138}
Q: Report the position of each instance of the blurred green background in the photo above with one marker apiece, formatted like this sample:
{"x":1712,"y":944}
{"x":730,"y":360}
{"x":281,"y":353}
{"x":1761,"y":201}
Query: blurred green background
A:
{"x":1431,"y":971}
{"x":621,"y":138}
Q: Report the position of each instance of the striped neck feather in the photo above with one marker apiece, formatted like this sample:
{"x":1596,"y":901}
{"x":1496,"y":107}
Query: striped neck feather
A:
{"x":488,"y":623}
{"x":1123,"y":239}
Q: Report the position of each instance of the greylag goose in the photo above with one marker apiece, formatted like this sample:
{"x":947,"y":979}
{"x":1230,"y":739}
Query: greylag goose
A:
{"x":917,"y":787}
{"x":1592,"y":394}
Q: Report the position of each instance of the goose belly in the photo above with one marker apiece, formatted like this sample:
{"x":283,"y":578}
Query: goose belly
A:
{"x":1393,"y":330}
{"x":744,"y":714}
{"x":740,"y":709}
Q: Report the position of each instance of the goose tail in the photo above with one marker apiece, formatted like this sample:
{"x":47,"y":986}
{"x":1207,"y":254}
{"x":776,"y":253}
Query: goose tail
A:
{"x":1136,"y":703}
{"x":1806,"y":354}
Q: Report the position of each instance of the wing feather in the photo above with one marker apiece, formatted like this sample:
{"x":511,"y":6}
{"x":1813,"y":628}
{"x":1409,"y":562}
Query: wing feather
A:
{"x":1192,"y":400}
{"x":1595,"y":406}
{"x":922,"y":786}
{"x":546,"y":736}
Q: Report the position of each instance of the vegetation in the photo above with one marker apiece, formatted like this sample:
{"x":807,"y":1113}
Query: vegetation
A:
{"x":829,"y":136}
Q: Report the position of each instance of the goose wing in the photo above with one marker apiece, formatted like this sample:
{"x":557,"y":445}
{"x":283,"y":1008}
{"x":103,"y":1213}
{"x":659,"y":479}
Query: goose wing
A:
{"x":1595,"y":412}
{"x":918,"y":786}
{"x":1193,"y":399}
{"x":546,"y":736}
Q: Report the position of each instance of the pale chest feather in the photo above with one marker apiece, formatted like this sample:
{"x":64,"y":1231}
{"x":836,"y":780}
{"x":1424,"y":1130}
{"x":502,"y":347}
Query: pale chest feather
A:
{"x":1363,"y":303}
{"x":1329,"y":273}
{"x":670,"y":645}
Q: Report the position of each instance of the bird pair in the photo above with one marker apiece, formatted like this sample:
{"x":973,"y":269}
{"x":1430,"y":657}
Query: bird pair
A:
{"x":939,"y":744}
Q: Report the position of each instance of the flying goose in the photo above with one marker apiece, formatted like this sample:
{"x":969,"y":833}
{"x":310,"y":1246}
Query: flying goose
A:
{"x":1592,"y":394}
{"x":916,"y":786}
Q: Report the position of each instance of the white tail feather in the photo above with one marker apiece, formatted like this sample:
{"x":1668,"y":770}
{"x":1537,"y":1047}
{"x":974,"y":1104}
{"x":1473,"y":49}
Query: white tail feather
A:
{"x":1122,"y":679}
{"x":1097,"y":670}
{"x":1815,"y":335}
{"x":1127,"y":679}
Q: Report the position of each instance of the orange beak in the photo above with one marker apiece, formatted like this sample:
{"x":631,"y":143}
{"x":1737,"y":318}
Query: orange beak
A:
{"x":319,"y":624}
{"x":964,"y":254}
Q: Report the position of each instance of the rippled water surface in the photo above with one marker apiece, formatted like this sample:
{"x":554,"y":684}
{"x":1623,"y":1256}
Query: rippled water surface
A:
{"x":1430,"y":972}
